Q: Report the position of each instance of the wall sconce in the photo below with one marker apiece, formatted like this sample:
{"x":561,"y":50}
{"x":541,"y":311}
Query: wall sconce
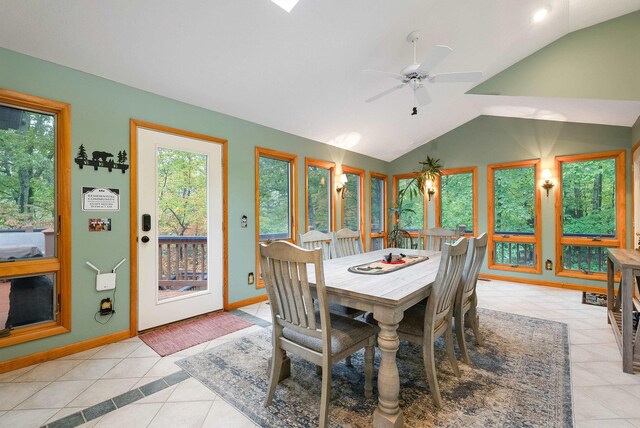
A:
{"x":341,"y":188}
{"x":430,"y":190}
{"x":547,"y":183}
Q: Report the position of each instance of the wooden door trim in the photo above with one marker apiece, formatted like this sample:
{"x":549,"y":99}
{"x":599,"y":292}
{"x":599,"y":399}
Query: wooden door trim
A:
{"x":134,"y":124}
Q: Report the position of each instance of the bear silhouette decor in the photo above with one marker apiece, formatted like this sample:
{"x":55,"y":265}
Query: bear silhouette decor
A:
{"x":100,"y":159}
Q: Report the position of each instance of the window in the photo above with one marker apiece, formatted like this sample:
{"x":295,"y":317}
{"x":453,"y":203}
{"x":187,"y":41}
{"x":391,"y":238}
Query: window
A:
{"x":378,"y":233}
{"x":457,"y":200}
{"x":352,"y":204}
{"x":320,"y":195}
{"x":35,"y":217}
{"x":413,"y":216}
{"x":514,"y":217}
{"x":590,"y":214}
{"x":276,"y":198}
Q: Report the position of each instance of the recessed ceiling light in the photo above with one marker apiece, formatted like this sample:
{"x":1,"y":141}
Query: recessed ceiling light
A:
{"x":287,"y":5}
{"x":540,"y":14}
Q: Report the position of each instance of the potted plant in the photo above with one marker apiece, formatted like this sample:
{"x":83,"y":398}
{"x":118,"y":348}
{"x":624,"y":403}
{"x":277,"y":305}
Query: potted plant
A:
{"x":430,"y":168}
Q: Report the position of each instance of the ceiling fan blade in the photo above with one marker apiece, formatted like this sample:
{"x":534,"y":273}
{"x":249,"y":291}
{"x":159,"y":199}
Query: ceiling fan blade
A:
{"x":386,"y":73}
{"x":422,"y":95}
{"x":382,"y":94}
{"x":464,"y":76}
{"x":435,"y":55}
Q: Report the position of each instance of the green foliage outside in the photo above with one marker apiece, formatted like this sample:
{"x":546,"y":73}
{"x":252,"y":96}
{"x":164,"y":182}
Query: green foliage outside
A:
{"x":352,"y":202}
{"x":182,"y":193}
{"x":589,"y":197}
{"x":27,"y":169}
{"x":456,"y":201}
{"x":413,"y":205}
{"x":377,"y":204}
{"x":514,"y":198}
{"x":319,"y":202}
{"x":274,"y":198}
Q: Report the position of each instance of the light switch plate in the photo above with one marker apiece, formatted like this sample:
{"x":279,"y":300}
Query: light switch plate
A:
{"x":105,"y":281}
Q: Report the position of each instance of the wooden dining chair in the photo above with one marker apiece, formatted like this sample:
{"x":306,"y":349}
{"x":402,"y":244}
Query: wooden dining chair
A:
{"x":466,"y":298}
{"x":316,"y":335}
{"x":425,"y":324}
{"x":316,"y":239}
{"x":347,"y":242}
{"x":433,"y":239}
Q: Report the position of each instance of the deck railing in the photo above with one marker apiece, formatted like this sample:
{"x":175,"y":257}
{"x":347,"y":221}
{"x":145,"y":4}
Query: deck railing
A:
{"x":182,"y":262}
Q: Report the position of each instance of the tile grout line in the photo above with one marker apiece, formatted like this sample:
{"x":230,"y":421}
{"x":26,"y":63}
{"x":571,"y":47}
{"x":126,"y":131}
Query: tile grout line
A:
{"x":119,"y":401}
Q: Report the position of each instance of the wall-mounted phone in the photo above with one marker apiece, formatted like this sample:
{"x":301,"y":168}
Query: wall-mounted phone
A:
{"x":146,"y":222}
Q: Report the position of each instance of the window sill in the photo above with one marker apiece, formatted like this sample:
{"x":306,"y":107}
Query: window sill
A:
{"x":581,"y":275}
{"x":524,"y":269}
{"x":27,"y":334}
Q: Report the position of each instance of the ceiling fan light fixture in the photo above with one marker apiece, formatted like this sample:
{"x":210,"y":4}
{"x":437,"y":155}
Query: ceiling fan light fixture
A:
{"x":540,"y":14}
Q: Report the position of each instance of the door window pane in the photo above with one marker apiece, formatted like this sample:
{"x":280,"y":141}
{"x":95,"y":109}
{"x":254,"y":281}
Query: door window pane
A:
{"x":27,"y":184}
{"x":589,"y":198}
{"x":182,"y":222}
{"x":274,"y":198}
{"x":514,"y":199}
{"x":319,"y":197}
{"x":352,"y":202}
{"x":456,"y":201}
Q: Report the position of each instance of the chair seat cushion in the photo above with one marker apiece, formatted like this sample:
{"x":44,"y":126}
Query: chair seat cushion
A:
{"x":345,"y":332}
{"x":413,"y":321}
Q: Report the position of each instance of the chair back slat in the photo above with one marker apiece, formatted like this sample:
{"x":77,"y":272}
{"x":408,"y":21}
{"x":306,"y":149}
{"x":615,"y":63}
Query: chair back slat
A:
{"x":284,"y":267}
{"x":316,"y":239}
{"x":434,"y":239}
{"x":347,"y":242}
{"x":447,"y":279}
{"x":475,"y":257}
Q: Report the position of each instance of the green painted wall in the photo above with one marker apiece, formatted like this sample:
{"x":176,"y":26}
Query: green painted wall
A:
{"x":635,"y":132}
{"x":600,"y":62}
{"x":100,"y":111}
{"x":488,"y":140}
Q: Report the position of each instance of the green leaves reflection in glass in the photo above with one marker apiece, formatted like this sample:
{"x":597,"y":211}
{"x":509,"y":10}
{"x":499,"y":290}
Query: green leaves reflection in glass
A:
{"x":274,"y":199}
{"x":377,"y":203}
{"x":515,"y":200}
{"x":589,"y":198}
{"x":319,"y":181}
{"x":27,"y":172}
{"x":456,"y":200}
{"x":182,"y":193}
{"x":351,"y":202}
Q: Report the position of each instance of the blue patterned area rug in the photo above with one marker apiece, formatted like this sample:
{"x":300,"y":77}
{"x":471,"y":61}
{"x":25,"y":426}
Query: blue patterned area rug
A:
{"x":519,"y":378}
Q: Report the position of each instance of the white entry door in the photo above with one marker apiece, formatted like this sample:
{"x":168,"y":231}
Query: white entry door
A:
{"x":636,"y":198}
{"x":180,"y":231}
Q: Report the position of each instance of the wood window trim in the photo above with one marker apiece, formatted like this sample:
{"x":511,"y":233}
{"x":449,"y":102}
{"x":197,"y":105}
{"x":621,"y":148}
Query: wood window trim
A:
{"x":621,"y":229}
{"x":331,"y":166}
{"x":383,"y":234}
{"x":360,"y":173}
{"x":60,"y":265}
{"x":293,"y":199}
{"x":474,"y":184}
{"x":535,"y":239}
{"x":396,"y":180}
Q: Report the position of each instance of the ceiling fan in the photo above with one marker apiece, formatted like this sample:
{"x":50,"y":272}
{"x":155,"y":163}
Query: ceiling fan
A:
{"x":416,"y":74}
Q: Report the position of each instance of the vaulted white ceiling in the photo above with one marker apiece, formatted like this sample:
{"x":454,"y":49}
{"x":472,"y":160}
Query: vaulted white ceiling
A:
{"x":301,"y":72}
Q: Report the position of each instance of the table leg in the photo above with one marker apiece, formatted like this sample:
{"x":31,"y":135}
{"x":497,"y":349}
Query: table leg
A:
{"x":627,"y":311}
{"x":610,"y":296}
{"x":388,"y":413}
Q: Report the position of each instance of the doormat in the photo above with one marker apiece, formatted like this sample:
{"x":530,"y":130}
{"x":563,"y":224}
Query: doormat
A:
{"x":595,"y":299}
{"x":185,"y":334}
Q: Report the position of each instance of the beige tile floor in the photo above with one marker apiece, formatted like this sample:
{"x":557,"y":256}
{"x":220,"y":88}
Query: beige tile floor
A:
{"x":603,"y":396}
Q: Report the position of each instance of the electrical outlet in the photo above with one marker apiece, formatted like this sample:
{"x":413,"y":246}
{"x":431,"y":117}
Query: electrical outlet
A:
{"x":250,"y":278}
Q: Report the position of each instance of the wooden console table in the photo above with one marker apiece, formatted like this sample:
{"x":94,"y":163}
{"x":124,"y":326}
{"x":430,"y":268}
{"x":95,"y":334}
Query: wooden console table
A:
{"x":620,"y":311}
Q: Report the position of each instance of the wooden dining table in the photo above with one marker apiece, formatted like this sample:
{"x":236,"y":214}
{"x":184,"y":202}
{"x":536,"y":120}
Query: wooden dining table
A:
{"x":387,"y":296}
